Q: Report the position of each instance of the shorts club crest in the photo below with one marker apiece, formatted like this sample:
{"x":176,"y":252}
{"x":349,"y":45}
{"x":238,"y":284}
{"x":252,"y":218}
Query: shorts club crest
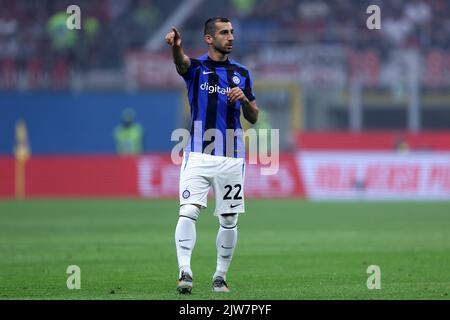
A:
{"x":186,"y":194}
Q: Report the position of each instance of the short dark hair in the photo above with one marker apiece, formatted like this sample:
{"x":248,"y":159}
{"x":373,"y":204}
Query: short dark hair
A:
{"x":210,"y":25}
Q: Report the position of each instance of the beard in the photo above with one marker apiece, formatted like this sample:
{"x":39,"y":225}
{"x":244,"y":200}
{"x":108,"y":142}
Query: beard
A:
{"x":223,"y":50}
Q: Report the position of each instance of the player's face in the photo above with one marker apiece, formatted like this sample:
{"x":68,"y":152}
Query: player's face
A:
{"x":223,"y":38}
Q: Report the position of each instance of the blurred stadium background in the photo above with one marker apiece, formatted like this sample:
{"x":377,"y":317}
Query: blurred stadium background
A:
{"x":325,"y":80}
{"x":363,"y":114}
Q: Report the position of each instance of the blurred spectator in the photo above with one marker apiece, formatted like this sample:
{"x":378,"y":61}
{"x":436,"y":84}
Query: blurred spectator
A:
{"x":145,"y":18}
{"x":89,"y":36}
{"x":313,"y":9}
{"x":8,"y":25}
{"x":418,"y":12}
{"x":91,"y":27}
{"x":306,"y":20}
{"x":129,"y":135}
{"x":62,"y":37}
{"x":146,"y":15}
{"x":117,"y":8}
{"x":8,"y":36}
{"x":244,"y":8}
{"x":8,"y":74}
{"x":396,"y":29}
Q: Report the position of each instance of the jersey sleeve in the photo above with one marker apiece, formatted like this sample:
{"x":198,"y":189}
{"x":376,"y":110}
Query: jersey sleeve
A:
{"x":248,"y":89}
{"x":189,"y":74}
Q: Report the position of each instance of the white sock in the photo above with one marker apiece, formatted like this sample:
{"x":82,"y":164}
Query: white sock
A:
{"x":185,"y":236}
{"x":226,"y":242}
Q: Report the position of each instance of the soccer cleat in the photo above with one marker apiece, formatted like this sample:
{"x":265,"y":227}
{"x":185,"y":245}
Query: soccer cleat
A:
{"x":184,"y":283}
{"x":219,"y":285}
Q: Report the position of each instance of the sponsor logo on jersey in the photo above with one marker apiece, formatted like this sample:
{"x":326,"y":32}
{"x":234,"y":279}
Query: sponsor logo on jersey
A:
{"x":212,"y":89}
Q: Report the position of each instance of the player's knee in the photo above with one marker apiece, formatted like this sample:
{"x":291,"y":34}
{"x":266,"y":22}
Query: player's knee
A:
{"x":190,"y":211}
{"x":228,"y":221}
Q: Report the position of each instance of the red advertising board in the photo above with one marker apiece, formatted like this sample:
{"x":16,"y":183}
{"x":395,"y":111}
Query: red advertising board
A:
{"x":72,"y":176}
{"x":158,"y":177}
{"x":150,"y":176}
{"x":317,"y":175}
{"x":7,"y":174}
{"x":376,"y":140}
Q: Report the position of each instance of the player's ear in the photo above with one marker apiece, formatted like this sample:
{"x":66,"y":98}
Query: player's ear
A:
{"x":208,"y":39}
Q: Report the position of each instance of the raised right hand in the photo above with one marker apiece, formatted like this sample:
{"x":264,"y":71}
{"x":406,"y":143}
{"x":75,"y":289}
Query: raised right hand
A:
{"x":173,"y":38}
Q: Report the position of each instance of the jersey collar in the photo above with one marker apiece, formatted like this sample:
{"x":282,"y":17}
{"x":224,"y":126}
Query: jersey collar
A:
{"x":217,"y":63}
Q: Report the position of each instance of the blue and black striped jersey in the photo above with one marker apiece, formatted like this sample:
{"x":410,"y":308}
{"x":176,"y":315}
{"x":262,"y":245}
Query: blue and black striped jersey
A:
{"x":207,"y":82}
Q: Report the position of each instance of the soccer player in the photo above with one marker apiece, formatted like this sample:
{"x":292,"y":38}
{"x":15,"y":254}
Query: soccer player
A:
{"x":218,"y":87}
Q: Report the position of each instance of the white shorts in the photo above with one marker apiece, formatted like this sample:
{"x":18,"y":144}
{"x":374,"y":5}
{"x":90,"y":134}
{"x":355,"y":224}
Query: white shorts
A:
{"x":226,"y":175}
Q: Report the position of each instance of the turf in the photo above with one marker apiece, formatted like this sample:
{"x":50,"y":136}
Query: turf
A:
{"x":287,"y":250}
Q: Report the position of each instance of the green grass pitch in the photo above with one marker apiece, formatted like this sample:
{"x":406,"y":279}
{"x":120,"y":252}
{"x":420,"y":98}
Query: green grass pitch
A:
{"x":287,"y":249}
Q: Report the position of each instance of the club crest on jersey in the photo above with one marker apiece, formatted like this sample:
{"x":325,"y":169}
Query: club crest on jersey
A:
{"x":186,"y":194}
{"x":236,"y":80}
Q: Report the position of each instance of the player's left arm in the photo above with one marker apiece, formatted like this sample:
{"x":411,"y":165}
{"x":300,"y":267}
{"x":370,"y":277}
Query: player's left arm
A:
{"x":249,"y":108}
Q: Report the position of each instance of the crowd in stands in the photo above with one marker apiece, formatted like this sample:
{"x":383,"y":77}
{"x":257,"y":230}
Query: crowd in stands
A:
{"x":419,"y":23}
{"x":34,"y":37}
